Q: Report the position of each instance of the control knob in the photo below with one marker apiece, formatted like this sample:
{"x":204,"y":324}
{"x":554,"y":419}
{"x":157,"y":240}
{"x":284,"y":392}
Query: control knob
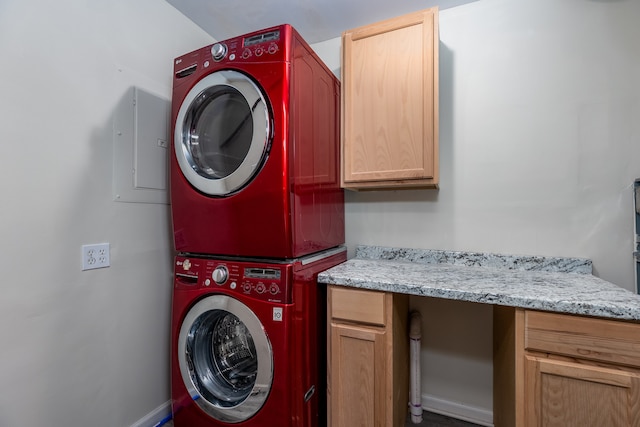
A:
{"x":218,"y":51}
{"x":220,"y":274}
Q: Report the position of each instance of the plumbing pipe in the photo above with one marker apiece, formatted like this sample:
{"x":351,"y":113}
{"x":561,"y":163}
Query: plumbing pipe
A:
{"x":415,"y":394}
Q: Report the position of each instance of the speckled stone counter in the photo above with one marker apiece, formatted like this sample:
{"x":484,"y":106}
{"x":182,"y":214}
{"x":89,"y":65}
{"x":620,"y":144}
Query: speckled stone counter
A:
{"x":563,"y":285}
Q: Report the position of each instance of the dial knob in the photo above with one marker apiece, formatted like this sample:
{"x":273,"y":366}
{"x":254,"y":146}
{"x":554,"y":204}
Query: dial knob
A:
{"x":220,"y":274}
{"x":218,"y":51}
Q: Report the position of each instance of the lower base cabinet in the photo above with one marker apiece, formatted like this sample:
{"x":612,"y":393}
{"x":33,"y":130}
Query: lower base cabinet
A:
{"x":368,"y":358}
{"x":550,"y":369}
{"x":556,"y":370}
{"x":562,"y":393}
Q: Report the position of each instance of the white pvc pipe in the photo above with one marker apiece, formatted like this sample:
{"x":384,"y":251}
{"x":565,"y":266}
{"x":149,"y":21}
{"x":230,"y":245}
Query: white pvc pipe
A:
{"x":415,"y":394}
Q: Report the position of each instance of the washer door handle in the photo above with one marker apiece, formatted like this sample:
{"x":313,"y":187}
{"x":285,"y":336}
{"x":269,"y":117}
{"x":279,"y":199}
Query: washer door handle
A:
{"x":309,"y":393}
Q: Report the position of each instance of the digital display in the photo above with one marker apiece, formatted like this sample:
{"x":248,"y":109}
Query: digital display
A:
{"x":262,"y":38}
{"x":262,"y":273}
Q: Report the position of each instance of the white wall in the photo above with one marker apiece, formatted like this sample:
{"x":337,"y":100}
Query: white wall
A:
{"x":79,"y":348}
{"x":539,"y":147}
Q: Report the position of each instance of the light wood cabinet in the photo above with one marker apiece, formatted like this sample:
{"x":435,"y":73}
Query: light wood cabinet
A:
{"x":556,"y":370}
{"x":368,"y":358}
{"x":562,"y":394}
{"x":390,"y":103}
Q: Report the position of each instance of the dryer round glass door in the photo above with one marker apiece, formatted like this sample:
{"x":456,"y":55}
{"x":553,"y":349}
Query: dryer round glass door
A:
{"x":222,"y":133}
{"x":225,"y":358}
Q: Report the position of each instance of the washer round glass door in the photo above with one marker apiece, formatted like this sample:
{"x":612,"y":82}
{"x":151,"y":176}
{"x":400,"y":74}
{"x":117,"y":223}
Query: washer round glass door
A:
{"x":222,"y":133}
{"x":225,"y":358}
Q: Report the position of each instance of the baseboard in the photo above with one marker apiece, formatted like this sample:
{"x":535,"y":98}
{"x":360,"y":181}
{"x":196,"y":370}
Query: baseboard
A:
{"x":458,"y":410}
{"x":430,"y":403}
{"x":155,"y":417}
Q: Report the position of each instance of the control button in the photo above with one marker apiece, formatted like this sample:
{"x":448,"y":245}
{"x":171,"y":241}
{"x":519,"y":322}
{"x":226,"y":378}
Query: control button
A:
{"x":261,"y":288}
{"x":186,"y":264}
{"x":207,"y":282}
{"x":220,"y":274}
{"x":246,"y":287}
{"x":232,"y":285}
{"x":259,"y":51}
{"x":274,"y":289}
{"x":218,"y":51}
{"x":273,"y":48}
{"x":206,"y":64}
{"x":232,"y":56}
{"x":246,"y":53}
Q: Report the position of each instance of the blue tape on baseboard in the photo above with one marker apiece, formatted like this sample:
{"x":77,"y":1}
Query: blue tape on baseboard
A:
{"x":164,"y":420}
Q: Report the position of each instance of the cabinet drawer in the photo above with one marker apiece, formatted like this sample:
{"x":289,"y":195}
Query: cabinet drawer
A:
{"x":358,"y":305}
{"x":583,"y":337}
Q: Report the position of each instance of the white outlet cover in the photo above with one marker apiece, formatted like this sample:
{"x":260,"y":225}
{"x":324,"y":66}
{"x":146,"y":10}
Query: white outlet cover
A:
{"x":95,"y":256}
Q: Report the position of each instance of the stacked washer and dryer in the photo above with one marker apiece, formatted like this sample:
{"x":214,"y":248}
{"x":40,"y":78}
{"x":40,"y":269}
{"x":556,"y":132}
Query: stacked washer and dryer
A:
{"x":257,"y":213}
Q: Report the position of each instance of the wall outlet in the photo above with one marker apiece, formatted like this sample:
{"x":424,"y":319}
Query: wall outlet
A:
{"x":95,"y":256}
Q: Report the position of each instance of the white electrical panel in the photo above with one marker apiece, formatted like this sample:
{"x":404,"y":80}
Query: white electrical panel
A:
{"x":141,"y":148}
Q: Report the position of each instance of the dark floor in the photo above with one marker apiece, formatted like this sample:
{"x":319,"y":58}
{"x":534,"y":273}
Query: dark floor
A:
{"x":429,"y":419}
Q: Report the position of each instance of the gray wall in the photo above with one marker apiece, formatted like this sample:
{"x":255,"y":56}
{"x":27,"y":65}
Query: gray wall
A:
{"x":539,"y":147}
{"x":80,"y":348}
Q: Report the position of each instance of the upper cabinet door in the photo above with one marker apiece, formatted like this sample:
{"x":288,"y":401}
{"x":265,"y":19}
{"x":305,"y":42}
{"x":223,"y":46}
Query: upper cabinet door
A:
{"x":390,"y":103}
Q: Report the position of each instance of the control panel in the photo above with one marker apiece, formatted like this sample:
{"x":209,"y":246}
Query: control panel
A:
{"x":266,"y":46}
{"x":263,"y":46}
{"x":262,"y":281}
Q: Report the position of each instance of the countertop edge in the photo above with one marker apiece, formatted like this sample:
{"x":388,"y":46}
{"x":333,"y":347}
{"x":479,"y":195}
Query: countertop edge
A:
{"x":569,"y":293}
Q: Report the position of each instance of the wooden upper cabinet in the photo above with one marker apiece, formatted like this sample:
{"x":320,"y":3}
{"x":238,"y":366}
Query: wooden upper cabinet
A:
{"x":390,"y":103}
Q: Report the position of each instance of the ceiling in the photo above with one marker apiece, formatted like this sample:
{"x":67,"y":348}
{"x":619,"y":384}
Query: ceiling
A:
{"x":315,"y":20}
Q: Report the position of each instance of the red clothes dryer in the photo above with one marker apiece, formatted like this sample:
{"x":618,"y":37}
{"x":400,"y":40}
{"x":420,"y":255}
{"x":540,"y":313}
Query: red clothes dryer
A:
{"x":248,"y":341}
{"x":255,"y":163}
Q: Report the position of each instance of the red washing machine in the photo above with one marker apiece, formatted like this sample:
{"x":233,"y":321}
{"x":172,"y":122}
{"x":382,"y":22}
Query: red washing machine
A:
{"x":248,"y":341}
{"x":254,"y":165}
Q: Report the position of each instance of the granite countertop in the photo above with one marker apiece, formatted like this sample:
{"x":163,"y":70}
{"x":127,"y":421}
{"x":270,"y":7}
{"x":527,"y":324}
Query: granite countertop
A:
{"x":563,"y":285}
